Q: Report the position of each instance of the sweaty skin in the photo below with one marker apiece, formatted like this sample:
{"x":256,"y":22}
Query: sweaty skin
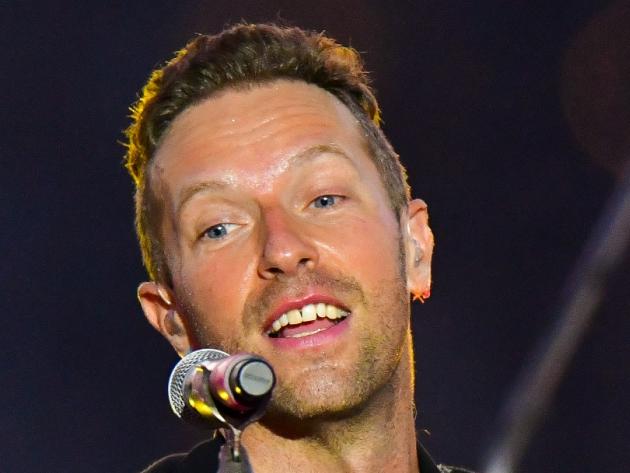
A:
{"x":271,"y":200}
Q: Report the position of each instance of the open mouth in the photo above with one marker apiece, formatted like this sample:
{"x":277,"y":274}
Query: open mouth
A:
{"x":307,"y":320}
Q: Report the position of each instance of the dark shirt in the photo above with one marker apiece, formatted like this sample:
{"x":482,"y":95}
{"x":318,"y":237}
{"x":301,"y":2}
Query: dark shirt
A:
{"x":204,"y":459}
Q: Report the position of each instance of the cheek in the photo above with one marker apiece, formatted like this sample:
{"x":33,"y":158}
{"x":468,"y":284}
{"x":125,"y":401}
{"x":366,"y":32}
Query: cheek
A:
{"x":369,"y":249}
{"x":216,"y":288}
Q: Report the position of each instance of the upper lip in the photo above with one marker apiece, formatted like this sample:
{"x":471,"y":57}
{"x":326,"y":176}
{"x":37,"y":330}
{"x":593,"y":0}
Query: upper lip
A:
{"x":298,"y":303}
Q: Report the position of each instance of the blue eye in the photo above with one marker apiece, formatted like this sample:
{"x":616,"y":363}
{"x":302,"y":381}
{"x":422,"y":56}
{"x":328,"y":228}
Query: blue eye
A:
{"x":216,"y":232}
{"x":325,"y":201}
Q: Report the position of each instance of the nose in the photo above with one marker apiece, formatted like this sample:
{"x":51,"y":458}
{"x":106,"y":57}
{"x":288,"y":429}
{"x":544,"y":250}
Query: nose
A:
{"x":287,"y":248}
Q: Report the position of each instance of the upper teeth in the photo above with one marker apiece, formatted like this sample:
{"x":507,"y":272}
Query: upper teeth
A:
{"x":308,"y":313}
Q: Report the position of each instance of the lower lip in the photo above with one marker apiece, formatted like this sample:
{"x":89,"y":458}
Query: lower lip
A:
{"x":312,"y":341}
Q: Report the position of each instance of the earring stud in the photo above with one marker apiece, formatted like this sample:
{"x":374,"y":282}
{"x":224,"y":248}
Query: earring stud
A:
{"x":424,"y":296}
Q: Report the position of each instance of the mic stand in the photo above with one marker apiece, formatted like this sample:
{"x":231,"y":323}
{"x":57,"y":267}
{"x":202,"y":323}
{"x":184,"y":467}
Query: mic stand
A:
{"x":233,"y":456}
{"x":533,"y":393}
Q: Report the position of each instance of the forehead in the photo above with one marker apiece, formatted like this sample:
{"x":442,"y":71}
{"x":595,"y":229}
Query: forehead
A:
{"x":239,"y":132}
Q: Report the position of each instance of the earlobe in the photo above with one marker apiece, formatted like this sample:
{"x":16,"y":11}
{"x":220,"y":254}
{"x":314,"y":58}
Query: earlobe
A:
{"x":419,"y":249}
{"x":158,"y":306}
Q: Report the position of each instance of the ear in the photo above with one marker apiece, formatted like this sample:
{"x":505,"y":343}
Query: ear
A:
{"x":159,"y":308}
{"x":418,"y":248}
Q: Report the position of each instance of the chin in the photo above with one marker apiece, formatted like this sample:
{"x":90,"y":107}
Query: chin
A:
{"x":332,"y":392}
{"x":315,"y":400}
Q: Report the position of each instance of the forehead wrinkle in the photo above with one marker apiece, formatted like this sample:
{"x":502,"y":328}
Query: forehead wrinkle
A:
{"x":236,"y":134}
{"x":231,"y":126}
{"x":189,"y":131}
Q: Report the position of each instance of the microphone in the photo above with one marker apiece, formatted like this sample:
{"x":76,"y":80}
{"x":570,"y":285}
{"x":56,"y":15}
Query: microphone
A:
{"x":212,"y":389}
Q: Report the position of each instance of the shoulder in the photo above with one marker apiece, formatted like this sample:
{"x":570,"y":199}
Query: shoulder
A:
{"x":427,"y":465}
{"x":169,"y":464}
{"x":201,"y":459}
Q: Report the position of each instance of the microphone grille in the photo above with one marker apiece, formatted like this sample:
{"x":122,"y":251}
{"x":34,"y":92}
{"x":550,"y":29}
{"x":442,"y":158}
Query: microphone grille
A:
{"x":178,"y":376}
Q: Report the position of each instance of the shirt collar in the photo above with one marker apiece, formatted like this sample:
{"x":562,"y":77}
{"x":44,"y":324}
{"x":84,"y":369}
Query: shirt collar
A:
{"x":426,"y":463}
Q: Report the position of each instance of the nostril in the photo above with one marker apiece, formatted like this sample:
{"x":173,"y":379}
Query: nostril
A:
{"x":307,"y":263}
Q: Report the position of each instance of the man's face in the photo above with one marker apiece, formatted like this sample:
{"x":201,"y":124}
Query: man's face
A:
{"x":281,"y":241}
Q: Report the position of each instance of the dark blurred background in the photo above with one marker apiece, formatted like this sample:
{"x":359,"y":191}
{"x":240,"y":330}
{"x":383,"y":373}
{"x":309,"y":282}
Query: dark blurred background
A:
{"x":512,"y":118}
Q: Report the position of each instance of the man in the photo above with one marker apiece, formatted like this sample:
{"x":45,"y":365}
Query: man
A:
{"x":274,"y":218}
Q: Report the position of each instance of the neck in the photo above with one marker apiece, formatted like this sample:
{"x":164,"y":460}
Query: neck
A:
{"x":379,"y":436}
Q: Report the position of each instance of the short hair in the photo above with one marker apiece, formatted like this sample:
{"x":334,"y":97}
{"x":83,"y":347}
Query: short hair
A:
{"x":242,"y":55}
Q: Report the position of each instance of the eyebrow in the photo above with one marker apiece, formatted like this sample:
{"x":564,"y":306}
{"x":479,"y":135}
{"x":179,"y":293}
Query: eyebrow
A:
{"x":295,"y":160}
{"x":191,"y":191}
{"x":314,"y":151}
